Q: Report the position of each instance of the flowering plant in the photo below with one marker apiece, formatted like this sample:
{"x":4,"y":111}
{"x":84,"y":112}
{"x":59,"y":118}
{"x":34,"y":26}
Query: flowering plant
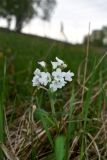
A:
{"x":55,"y":80}
{"x":52,"y":81}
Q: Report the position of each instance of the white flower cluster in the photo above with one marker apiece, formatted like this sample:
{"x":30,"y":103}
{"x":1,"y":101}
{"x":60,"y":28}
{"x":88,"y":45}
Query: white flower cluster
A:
{"x":56,"y":80}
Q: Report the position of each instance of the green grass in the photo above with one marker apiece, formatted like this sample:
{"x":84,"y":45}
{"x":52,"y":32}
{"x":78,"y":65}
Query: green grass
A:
{"x":24,"y":51}
{"x":2,"y":108}
{"x":67,"y":126}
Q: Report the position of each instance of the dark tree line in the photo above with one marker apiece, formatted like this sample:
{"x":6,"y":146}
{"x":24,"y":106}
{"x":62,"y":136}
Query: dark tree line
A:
{"x":25,"y":10}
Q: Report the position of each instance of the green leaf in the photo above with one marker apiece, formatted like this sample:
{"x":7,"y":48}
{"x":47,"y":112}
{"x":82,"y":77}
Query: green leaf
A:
{"x":60,"y":148}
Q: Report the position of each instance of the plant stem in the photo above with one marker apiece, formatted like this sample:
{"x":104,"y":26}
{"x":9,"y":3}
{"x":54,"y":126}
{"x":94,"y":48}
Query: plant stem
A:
{"x":52,"y":102}
{"x":53,"y":107}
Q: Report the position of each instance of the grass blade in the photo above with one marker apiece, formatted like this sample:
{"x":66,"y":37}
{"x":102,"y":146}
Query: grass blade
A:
{"x":60,"y":148}
{"x":2,"y":118}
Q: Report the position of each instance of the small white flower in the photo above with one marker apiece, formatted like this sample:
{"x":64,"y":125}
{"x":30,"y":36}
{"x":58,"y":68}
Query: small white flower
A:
{"x":36,"y":77}
{"x":45,"y":78}
{"x":37,"y":72}
{"x":61,"y":83}
{"x":54,"y":64}
{"x":41,"y":78}
{"x":36,"y":81}
{"x":42,"y":63}
{"x":64,"y":65}
{"x":58,"y":74}
{"x":58,"y":63}
{"x":57,"y":85}
{"x":68,"y":76}
{"x":58,"y":80}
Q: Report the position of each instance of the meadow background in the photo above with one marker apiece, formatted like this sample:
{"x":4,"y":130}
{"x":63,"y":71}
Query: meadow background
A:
{"x":86,"y":112}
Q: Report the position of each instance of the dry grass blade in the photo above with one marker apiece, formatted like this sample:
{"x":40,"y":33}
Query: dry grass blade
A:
{"x":93,"y":140}
{"x":7,"y":153}
{"x":99,"y":91}
{"x":95,"y":145}
{"x":74,"y":144}
{"x":79,"y":77}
